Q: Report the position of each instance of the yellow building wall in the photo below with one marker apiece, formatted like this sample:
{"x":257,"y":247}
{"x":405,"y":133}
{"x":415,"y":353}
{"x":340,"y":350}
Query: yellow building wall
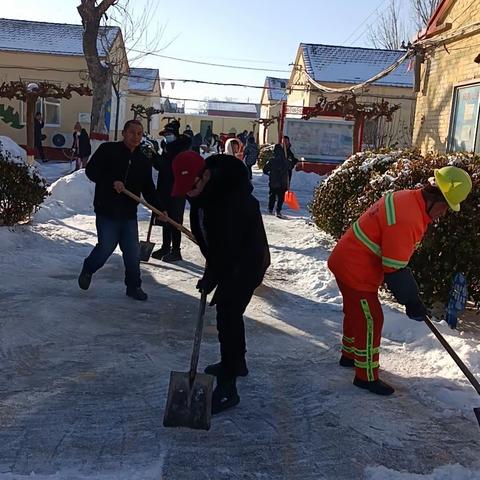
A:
{"x":147,"y":100}
{"x":443,"y":69}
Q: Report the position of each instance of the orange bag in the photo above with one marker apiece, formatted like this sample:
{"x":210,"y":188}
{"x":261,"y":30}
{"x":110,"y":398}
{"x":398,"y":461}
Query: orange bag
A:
{"x":291,"y":200}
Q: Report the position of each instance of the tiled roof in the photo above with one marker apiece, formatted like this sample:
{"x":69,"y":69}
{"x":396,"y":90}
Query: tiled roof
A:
{"x":232,"y":107}
{"x":50,"y":38}
{"x":142,"y":79}
{"x":276,"y":88}
{"x":353,"y":65}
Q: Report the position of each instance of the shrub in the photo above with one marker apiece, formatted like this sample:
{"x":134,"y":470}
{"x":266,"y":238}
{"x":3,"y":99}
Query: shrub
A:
{"x":449,"y":246}
{"x":22,"y":190}
{"x":265,"y":154}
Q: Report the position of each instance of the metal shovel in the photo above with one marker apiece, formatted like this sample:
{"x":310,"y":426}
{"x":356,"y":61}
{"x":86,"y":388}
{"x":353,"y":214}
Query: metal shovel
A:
{"x":147,"y":247}
{"x":458,"y":361}
{"x":189,"y":402}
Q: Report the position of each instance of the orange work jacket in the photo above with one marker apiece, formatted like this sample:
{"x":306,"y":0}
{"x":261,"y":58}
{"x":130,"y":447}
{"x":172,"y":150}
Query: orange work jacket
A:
{"x":381,"y":241}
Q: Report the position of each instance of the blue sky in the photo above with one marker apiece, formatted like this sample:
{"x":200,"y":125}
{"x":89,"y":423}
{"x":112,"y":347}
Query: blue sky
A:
{"x":260,"y":33}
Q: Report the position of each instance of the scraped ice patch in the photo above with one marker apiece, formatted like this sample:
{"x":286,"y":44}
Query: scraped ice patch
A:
{"x":70,"y":195}
{"x":448,"y":472}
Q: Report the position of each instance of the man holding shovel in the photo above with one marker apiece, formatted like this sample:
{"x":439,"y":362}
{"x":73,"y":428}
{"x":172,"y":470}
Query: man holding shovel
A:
{"x":377,"y":249}
{"x":114,"y":167}
{"x":226,"y":221}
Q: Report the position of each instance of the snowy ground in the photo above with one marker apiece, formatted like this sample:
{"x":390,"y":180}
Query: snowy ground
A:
{"x":84,"y":375}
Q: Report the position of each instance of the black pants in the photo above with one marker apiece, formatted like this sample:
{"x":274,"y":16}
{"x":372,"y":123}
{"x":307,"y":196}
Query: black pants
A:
{"x":276,"y":195}
{"x":40,"y":152}
{"x":171,"y":236}
{"x":231,"y":331}
{"x":250,"y":174}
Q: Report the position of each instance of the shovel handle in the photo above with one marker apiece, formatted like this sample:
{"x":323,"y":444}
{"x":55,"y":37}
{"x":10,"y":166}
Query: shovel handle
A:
{"x":150,"y":226}
{"x":455,"y":357}
{"x":198,"y":338}
{"x":178,"y":226}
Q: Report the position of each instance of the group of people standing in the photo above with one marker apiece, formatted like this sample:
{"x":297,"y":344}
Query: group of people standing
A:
{"x":225,"y":219}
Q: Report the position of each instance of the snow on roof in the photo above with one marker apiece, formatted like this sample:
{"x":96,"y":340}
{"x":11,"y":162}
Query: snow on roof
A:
{"x":50,"y":38}
{"x":276,"y":88}
{"x":232,"y":107}
{"x":142,"y":79}
{"x":330,"y":63}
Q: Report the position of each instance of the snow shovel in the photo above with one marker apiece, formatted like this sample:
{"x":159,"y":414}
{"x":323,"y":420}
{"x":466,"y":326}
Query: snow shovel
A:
{"x":147,"y":247}
{"x":458,"y":361}
{"x":162,"y":216}
{"x":189,"y":401}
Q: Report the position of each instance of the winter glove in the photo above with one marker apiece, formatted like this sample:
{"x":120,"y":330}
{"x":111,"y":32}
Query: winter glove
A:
{"x":207,"y":283}
{"x":416,"y":311}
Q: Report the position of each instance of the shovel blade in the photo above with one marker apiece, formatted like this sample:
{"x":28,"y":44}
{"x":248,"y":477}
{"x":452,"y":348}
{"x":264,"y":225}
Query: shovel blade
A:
{"x":189,"y":406}
{"x":146,"y":249}
{"x":477,"y":414}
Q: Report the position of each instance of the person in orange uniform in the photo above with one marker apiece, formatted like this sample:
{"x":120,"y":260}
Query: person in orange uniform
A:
{"x":377,"y":249}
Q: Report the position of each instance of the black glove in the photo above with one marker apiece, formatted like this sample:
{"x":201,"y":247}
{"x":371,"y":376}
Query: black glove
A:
{"x":207,"y":283}
{"x":416,"y":310}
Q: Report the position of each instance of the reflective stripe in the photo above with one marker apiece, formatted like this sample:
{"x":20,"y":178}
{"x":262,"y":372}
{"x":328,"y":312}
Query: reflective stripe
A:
{"x":348,"y":349}
{"x":348,"y":339}
{"x":390,"y":262}
{"x":369,"y":364}
{"x":390,"y":209}
{"x":360,"y":235}
{"x":363,"y":353}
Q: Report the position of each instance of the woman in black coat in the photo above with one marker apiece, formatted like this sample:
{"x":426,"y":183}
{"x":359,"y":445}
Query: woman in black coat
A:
{"x":277,"y":170}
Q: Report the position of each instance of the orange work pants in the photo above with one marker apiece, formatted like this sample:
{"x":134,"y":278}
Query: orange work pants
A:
{"x":362,"y":330}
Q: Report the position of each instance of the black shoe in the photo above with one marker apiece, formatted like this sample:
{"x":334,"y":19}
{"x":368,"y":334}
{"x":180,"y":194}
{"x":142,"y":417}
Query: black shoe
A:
{"x":224,"y":396}
{"x":270,"y":212}
{"x":84,"y":279}
{"x":161,"y":252}
{"x":137,"y":294}
{"x":346,"y":362}
{"x":172,"y":257}
{"x":216,"y":369}
{"x":377,"y":386}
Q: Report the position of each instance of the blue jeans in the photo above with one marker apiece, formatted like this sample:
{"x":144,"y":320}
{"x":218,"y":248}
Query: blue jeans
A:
{"x":112,"y":232}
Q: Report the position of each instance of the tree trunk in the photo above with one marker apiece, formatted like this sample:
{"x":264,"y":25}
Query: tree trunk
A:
{"x":100,"y":74}
{"x":30,"y":120}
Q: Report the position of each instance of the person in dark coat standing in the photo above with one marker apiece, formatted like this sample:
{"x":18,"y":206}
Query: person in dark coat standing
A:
{"x":292,"y":160}
{"x":197,"y":142}
{"x":81,"y":147}
{"x":114,"y":167}
{"x":38,"y":136}
{"x":250,"y":154}
{"x":277,"y":170}
{"x":226,"y":221}
{"x":170,"y":251}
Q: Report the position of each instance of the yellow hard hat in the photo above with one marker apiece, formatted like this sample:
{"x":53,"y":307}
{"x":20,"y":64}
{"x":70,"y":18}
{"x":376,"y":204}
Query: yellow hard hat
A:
{"x":454,"y":183}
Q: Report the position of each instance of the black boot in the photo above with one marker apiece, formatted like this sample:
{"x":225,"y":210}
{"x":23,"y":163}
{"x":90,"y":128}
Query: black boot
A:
{"x":216,"y":369}
{"x":173,"y":256}
{"x":346,"y":362}
{"x":137,"y":293}
{"x":376,"y":386}
{"x":161,"y":252}
{"x":225,"y":395}
{"x":84,"y":279}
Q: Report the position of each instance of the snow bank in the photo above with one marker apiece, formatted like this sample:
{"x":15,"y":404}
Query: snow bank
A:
{"x":448,"y":472}
{"x":70,"y":195}
{"x":305,"y":180}
{"x":17,"y":153}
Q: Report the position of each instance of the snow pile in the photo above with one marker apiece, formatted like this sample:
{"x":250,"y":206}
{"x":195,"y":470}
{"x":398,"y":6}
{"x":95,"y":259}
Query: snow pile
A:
{"x":13,"y":151}
{"x":305,"y":181}
{"x":70,"y":195}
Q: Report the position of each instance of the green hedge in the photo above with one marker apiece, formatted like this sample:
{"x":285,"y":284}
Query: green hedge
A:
{"x":22,"y":191}
{"x":452,"y":245}
{"x":266,"y":153}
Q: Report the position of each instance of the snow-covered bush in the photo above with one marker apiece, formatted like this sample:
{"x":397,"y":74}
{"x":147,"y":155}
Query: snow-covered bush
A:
{"x":266,"y":153}
{"x":22,"y":190}
{"x":448,"y":247}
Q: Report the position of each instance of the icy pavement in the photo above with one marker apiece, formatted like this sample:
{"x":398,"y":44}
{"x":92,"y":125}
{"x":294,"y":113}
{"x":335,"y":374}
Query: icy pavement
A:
{"x":84,"y":375}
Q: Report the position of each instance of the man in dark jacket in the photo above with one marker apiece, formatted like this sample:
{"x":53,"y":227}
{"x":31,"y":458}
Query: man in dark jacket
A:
{"x":291,"y":159}
{"x":250,"y":154}
{"x":81,"y":146}
{"x":171,"y":237}
{"x":277,"y":170}
{"x":226,"y":221}
{"x":38,"y":136}
{"x":114,"y":167}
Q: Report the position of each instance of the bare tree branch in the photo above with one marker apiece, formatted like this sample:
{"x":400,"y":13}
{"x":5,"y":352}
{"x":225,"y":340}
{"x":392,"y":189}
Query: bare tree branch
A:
{"x":423,"y":11}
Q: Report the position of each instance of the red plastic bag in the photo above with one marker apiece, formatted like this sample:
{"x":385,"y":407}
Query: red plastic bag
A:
{"x":291,"y":200}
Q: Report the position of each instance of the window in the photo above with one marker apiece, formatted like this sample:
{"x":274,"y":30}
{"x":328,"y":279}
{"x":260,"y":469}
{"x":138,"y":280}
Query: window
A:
{"x":48,"y":107}
{"x":464,"y":129}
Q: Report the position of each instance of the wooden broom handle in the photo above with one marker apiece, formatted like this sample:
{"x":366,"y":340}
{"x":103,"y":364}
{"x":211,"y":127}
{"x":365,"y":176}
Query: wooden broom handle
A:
{"x":162,"y":216}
